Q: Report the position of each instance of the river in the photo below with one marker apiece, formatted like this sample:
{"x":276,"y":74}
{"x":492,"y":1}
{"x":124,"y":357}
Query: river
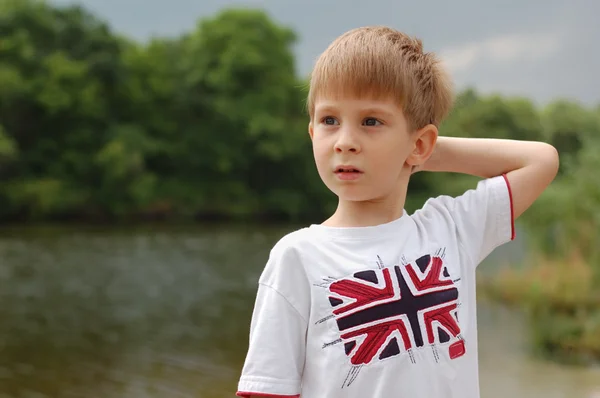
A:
{"x":163,"y":311}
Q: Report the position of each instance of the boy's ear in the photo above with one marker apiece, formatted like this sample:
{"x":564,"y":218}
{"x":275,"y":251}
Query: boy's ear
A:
{"x":424,"y":144}
{"x":311,"y":130}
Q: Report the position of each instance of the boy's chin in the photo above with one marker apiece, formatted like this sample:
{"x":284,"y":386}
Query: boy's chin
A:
{"x":357,"y":192}
{"x":356,"y":196}
{"x":364,"y":194}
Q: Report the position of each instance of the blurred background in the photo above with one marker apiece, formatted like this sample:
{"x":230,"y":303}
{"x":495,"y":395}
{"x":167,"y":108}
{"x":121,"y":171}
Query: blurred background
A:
{"x":152,"y":152}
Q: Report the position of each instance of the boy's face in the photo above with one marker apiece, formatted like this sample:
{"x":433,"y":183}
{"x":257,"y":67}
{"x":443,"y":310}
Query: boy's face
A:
{"x":363,"y":149}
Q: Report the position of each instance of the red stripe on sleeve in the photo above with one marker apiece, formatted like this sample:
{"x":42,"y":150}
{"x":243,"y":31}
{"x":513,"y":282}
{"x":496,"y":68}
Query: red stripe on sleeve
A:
{"x":245,"y":394}
{"x":512,"y":209}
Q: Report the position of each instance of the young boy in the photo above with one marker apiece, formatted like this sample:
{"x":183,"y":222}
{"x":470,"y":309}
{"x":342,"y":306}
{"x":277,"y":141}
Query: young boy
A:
{"x":375,"y":302}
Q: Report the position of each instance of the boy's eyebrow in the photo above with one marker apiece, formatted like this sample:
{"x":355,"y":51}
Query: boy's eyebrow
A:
{"x":377,"y":111}
{"x":325,"y":109}
{"x":372,"y":110}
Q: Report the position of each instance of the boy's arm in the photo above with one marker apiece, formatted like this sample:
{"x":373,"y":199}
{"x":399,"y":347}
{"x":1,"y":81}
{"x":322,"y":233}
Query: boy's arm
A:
{"x":529,"y":166}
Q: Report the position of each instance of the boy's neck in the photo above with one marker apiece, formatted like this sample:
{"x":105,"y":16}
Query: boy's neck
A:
{"x":369,"y":213}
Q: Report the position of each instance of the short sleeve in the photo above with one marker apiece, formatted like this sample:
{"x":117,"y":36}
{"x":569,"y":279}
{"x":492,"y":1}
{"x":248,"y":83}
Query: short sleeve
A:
{"x":276,"y":353}
{"x":482,"y":218}
{"x":275,"y":356}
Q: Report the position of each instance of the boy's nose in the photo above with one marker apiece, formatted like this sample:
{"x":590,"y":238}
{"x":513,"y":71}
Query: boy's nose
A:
{"x":346,"y":142}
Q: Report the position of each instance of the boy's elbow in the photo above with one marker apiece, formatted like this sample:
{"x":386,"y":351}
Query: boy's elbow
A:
{"x":550,"y":159}
{"x":544,"y":157}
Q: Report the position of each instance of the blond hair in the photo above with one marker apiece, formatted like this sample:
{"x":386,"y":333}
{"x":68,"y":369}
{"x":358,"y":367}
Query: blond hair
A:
{"x":379,"y":62}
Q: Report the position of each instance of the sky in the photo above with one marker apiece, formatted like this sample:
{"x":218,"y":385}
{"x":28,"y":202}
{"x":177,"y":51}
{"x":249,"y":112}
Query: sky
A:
{"x":543,"y":50}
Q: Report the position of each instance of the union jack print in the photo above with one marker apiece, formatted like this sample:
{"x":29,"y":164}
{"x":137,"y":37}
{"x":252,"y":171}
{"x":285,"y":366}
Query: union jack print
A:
{"x":383,"y":312}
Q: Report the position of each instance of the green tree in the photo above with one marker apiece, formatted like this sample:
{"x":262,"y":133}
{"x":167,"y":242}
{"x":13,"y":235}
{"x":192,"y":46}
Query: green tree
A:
{"x":242,"y":114}
{"x":567,"y":124}
{"x":494,"y":117}
{"x":566,"y":220}
{"x":65,"y":74}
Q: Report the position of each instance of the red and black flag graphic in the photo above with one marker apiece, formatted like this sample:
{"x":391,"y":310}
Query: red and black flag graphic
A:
{"x":384,"y":312}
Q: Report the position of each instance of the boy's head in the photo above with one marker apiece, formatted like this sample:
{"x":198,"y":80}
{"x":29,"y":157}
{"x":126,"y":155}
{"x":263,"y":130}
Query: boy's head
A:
{"x":375,"y":102}
{"x":382,"y":63}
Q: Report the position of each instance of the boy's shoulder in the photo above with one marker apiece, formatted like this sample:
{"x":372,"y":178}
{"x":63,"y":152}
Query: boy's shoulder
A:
{"x":471,"y":199}
{"x":291,"y":241}
{"x":286,"y":255}
{"x":481,"y":218}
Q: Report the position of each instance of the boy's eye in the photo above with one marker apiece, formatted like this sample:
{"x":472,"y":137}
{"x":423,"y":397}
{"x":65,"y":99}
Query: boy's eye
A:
{"x":372,"y":122}
{"x":329,"y":120}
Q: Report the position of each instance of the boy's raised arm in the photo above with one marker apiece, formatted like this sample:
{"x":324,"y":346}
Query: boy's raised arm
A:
{"x":529,"y":166}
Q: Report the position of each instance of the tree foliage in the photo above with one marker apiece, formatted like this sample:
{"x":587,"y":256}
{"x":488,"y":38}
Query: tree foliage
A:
{"x":208,"y":124}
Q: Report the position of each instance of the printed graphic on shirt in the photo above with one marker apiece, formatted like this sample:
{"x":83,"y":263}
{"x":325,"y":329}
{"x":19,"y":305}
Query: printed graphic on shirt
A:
{"x":390,"y":311}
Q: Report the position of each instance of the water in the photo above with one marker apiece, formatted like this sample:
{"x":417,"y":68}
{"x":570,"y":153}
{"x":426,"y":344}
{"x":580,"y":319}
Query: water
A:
{"x":154,"y":312}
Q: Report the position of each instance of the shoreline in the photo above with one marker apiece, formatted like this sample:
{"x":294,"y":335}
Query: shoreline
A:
{"x":561,"y":303}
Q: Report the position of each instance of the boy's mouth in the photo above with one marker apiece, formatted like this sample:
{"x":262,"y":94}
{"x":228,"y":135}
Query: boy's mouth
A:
{"x":345,"y":168}
{"x":347,"y":172}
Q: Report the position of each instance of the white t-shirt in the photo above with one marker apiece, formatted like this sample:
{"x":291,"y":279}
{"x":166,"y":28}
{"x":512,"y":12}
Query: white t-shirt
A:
{"x":382,"y":311}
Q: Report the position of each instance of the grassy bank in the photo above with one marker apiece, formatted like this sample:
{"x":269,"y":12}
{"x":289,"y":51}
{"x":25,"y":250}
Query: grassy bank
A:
{"x":562,"y":301}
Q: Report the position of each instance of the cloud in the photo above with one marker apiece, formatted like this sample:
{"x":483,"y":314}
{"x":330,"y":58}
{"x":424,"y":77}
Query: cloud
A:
{"x":504,"y":49}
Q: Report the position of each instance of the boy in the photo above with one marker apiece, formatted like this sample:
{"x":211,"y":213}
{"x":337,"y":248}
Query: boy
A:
{"x":374,"y":302}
